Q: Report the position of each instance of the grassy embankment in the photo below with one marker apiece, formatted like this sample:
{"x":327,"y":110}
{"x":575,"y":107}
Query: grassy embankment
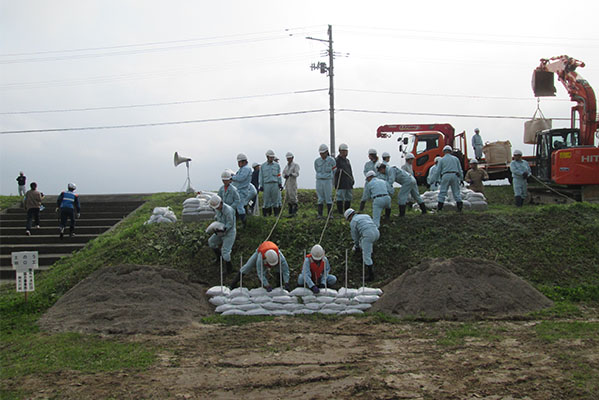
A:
{"x":553,"y":247}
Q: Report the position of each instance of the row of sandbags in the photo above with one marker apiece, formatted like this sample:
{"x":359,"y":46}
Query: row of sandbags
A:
{"x":279,"y":301}
{"x":471,"y":200}
{"x":162,"y":215}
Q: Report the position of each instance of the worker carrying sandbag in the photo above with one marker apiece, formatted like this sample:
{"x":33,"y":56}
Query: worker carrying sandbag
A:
{"x":222,"y":240}
{"x":267,"y":256}
{"x":316,"y":270}
{"x":364,"y":233}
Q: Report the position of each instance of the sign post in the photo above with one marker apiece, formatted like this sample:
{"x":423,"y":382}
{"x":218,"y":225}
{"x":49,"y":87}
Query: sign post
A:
{"x":24,"y":263}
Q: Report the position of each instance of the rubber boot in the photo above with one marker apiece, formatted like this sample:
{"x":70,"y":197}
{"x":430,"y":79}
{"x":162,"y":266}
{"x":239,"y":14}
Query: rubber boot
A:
{"x":242,"y":217}
{"x":340,"y":207}
{"x":264,"y":212}
{"x":362,"y":205}
{"x":277,"y":211}
{"x":369,"y":273}
{"x":439,"y":206}
{"x":234,"y":282}
{"x":459,"y":204}
{"x":290,"y":210}
{"x":518,"y":200}
{"x":228,"y":267}
{"x":422,"y":208}
{"x":329,"y":206}
{"x":320,"y":207}
{"x":387,"y":214}
{"x":295,"y":208}
{"x":218,"y":254}
{"x":402,"y":210}
{"x":346,"y":205}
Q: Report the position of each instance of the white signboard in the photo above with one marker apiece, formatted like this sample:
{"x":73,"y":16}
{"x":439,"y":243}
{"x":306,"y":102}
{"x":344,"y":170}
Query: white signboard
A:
{"x":25,"y":281}
{"x":24,"y":262}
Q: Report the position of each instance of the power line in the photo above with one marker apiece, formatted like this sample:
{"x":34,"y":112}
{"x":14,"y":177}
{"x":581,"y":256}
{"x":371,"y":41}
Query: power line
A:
{"x":196,"y":121}
{"x":443,"y":95}
{"x":160,"y":104}
{"x":441,"y":114}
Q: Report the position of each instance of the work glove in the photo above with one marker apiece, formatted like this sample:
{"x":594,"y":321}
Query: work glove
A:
{"x":315,"y":289}
{"x":268,"y":288}
{"x":356,"y":249}
{"x":220,"y":233}
{"x":286,"y":176}
{"x":525,"y":175}
{"x":281,"y":187}
{"x":461,"y":183}
{"x":286,"y":286}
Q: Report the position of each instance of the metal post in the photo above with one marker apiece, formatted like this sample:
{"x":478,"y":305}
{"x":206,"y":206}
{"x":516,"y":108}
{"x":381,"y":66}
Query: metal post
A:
{"x":331,"y":92}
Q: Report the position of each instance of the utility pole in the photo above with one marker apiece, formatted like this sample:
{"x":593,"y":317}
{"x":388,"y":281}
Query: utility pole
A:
{"x":322,"y":67}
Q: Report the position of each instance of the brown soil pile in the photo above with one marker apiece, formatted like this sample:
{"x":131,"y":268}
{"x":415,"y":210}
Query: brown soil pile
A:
{"x":459,"y":288}
{"x":129,"y":299}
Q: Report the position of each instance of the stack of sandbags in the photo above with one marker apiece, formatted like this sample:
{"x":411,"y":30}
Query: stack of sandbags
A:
{"x":471,"y":200}
{"x":161,"y":215}
{"x":197,"y":208}
{"x":478,"y":201}
{"x":241,"y":301}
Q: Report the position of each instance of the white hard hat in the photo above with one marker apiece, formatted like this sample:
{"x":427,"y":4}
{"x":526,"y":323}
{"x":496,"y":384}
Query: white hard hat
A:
{"x":385,"y":154}
{"x":271,"y":257}
{"x":254,"y":165}
{"x":349,"y":212}
{"x":226,"y":175}
{"x":323,"y":148}
{"x":517,"y":152}
{"x":370,"y":173}
{"x":214,"y":201}
{"x":343,"y":146}
{"x":447,"y":148}
{"x":241,"y":157}
{"x":372,"y":151}
{"x":476,"y":130}
{"x":437,"y":159}
{"x":289,"y":154}
{"x":72,"y":186}
{"x":409,"y":156}
{"x":474,"y":161}
{"x":317,"y":252}
{"x":270,"y":153}
{"x":380,"y":164}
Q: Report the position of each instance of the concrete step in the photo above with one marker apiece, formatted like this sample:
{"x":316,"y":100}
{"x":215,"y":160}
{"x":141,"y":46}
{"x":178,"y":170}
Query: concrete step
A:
{"x":45,"y":239}
{"x":54,"y":216}
{"x":93,"y":207}
{"x":54,"y":222}
{"x":51,"y":248}
{"x":50,"y":230}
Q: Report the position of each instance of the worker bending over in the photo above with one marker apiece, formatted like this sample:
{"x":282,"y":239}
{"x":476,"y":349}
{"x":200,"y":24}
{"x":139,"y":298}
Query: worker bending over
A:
{"x":364,"y":233}
{"x":221,"y":241}
{"x":450,"y":171}
{"x":409,"y":188}
{"x":267,"y":256}
{"x":316,"y":270}
{"x":376,"y":189}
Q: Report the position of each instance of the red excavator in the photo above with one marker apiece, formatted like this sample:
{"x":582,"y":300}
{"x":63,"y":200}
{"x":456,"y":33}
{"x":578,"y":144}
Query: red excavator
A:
{"x":567,"y":159}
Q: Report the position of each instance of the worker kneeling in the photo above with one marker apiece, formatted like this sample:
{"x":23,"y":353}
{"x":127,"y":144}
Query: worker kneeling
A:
{"x":267,"y":256}
{"x":222,"y":240}
{"x":316,"y":270}
{"x":364,"y":233}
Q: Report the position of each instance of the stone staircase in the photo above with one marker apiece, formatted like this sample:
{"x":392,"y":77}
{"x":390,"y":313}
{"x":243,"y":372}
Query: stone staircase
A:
{"x":99,"y":213}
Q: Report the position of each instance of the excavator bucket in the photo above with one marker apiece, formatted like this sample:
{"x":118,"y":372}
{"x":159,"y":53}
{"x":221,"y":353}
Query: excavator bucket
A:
{"x":543,"y":83}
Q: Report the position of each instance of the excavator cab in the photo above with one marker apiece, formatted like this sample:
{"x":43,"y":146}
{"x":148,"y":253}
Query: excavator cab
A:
{"x":543,"y":83}
{"x":550,"y":141}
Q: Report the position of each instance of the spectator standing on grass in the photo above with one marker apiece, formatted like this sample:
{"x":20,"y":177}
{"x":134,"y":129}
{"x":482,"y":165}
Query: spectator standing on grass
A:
{"x":290,"y":173}
{"x":271,"y":184}
{"x":475,"y":177}
{"x":68,"y":204}
{"x":33,"y":203}
{"x":21,"y":179}
{"x":344,"y":179}
{"x":324,"y":166}
{"x":520,"y":172}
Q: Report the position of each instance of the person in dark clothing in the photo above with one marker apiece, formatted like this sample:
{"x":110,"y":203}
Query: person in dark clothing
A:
{"x":344,"y":179}
{"x":33,"y":202}
{"x":68,"y":203}
{"x":21,"y":179}
{"x":255,"y":178}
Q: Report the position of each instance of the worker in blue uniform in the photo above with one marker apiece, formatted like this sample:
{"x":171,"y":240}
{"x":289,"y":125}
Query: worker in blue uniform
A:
{"x":433,"y":179}
{"x":221,"y":242}
{"x":451,"y":173}
{"x":316,"y":271}
{"x":228,"y":193}
{"x":364,"y":233}
{"x":373,"y":158}
{"x":324,"y":166}
{"x":520,"y":173}
{"x":241,"y":180}
{"x":68,"y":205}
{"x":267,"y":256}
{"x":376,"y":189}
{"x":409,"y":189}
{"x":270,"y":181}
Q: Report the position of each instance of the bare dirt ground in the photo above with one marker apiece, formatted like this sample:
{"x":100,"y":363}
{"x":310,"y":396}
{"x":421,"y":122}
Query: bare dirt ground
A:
{"x":294,"y":357}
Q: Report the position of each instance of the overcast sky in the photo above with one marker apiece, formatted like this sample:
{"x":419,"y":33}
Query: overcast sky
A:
{"x":86,"y":64}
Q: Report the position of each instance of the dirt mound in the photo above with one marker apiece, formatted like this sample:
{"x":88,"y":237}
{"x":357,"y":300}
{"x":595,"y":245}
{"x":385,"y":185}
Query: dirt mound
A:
{"x":459,"y":288}
{"x":129,"y":299}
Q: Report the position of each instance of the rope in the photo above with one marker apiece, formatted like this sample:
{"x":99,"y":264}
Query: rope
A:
{"x":334,"y":201}
{"x":280,"y":212}
{"x":551,"y":189}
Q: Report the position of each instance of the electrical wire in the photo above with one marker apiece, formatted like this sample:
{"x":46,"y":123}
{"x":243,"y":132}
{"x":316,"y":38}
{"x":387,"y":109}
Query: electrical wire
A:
{"x":441,"y":114}
{"x":442,"y":95}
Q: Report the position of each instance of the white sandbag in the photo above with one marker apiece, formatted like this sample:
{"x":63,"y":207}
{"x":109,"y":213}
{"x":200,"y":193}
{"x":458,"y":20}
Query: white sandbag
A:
{"x":239,"y":292}
{"x":271,"y":306}
{"x":218,"y":291}
{"x":314,"y":306}
{"x":342,"y":300}
{"x":194,"y":201}
{"x":224,"y":307}
{"x":260,"y":299}
{"x":327,"y":292}
{"x":170,"y":216}
{"x":351,"y":311}
{"x":367,"y":298}
{"x":284,"y":299}
{"x":346,"y":292}
{"x":258,"y":311}
{"x":240,"y":300}
{"x":309,"y":299}
{"x":248,"y":306}
{"x":234,"y":312}
{"x":478,"y":206}
{"x":281,"y":312}
{"x":361,"y":306}
{"x":476,"y":195}
{"x":291,"y":306}
{"x":303,"y":311}
{"x":215,"y":226}
{"x":300,"y":291}
{"x":334,"y":306}
{"x":325,"y":299}
{"x":160,"y":210}
{"x":278,"y":292}
{"x":161,"y":219}
{"x":328,"y":312}
{"x":258,"y":292}
{"x":368,"y":291}
{"x":466,"y":205}
{"x":218,"y":300}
